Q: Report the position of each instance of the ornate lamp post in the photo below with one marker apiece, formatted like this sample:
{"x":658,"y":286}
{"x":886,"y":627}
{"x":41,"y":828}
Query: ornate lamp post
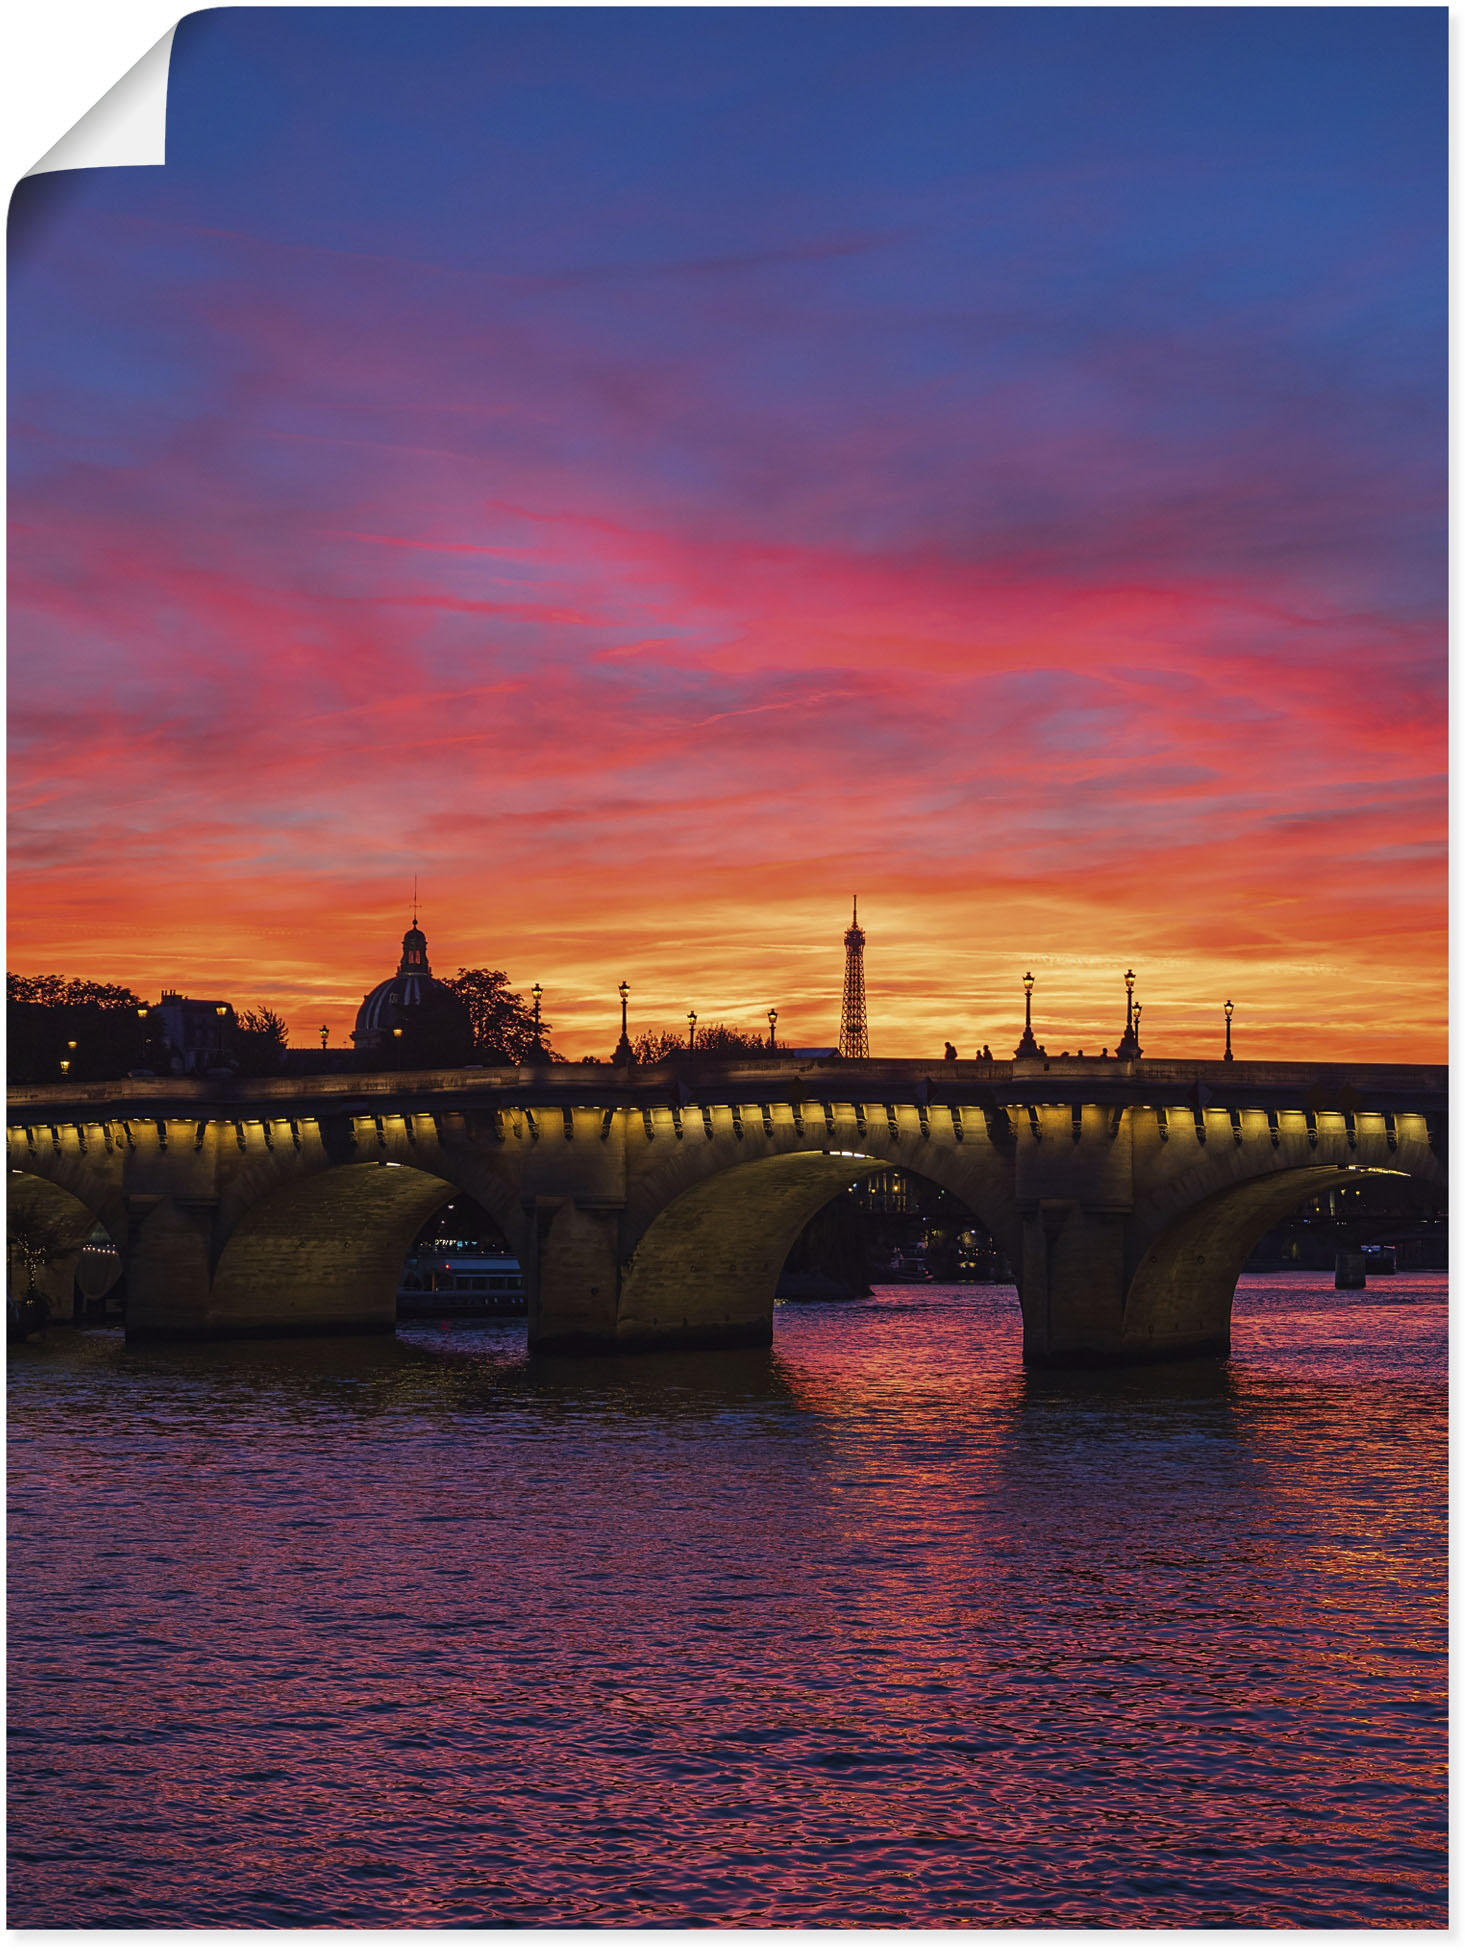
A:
{"x":1028,"y":1047}
{"x":1129,"y":1042}
{"x":773,"y":1029}
{"x":623,"y":1048}
{"x":536,"y":1048}
{"x":1137,"y":1008}
{"x":325,"y":1035}
{"x":1228,"y":1006}
{"x":691,"y":1029}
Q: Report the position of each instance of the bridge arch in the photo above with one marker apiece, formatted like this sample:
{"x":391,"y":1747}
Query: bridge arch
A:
{"x":47,"y":1224}
{"x":324,"y":1253}
{"x":1182,"y":1290}
{"x":706,"y":1266}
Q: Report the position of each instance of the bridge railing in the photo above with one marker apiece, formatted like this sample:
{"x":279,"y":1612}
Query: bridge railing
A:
{"x":692,"y":1080}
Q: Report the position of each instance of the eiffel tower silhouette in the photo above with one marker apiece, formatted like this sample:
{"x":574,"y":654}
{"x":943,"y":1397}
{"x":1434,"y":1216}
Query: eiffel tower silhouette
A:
{"x":854,"y":1037}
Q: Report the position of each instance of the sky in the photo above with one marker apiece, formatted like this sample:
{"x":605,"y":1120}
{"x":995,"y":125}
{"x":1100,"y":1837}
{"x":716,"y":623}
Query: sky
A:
{"x":654,"y":474}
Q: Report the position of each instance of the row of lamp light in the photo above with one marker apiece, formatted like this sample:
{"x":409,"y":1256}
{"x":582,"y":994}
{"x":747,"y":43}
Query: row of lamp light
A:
{"x":1129,"y":1045}
{"x":1027,"y":1047}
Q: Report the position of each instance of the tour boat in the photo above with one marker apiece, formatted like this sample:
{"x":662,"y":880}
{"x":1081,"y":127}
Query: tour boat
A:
{"x":460,"y":1282}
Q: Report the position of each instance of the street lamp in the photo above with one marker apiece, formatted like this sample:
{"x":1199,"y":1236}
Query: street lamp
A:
{"x":773,"y":1029}
{"x":1028,"y":1047}
{"x":1228,"y":1006}
{"x":325,"y":1035}
{"x":691,"y":1029}
{"x":536,"y":1048}
{"x":1129,"y":1042}
{"x":65,"y":1065}
{"x":623,"y":1048}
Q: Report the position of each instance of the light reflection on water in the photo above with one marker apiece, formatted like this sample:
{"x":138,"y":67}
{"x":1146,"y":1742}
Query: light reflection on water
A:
{"x":871,"y":1629}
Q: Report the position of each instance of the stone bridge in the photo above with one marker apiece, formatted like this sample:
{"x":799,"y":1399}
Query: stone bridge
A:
{"x":654,"y":1207}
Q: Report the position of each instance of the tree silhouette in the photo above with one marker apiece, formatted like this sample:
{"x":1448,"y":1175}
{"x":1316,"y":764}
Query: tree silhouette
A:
{"x":259,"y":1041}
{"x":93,"y":1027}
{"x":503,"y":1023}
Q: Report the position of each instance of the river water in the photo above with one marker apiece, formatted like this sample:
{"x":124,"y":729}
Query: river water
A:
{"x":873,"y":1629}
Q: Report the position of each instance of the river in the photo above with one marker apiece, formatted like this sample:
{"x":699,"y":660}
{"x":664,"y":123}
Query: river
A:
{"x":871,"y":1629}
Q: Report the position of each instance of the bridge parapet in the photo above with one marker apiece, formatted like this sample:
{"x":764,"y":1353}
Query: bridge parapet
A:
{"x":693,"y":1080}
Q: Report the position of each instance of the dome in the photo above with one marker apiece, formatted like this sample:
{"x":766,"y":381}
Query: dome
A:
{"x":412,"y":1014}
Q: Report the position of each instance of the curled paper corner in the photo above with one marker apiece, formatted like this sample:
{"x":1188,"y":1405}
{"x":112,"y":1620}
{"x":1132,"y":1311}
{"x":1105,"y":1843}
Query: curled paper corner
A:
{"x":128,"y":126}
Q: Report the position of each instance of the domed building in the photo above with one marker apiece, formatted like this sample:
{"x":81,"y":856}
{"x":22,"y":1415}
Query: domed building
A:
{"x":413,"y":1018}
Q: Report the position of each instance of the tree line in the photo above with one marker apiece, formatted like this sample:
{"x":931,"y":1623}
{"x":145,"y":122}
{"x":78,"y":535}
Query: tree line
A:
{"x":100,"y":1030}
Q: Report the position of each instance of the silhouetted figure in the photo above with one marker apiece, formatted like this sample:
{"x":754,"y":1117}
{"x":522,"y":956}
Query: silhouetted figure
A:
{"x":987,"y":1051}
{"x":951,"y":1053}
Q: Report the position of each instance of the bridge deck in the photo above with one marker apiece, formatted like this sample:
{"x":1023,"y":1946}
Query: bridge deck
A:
{"x":693,"y":1081}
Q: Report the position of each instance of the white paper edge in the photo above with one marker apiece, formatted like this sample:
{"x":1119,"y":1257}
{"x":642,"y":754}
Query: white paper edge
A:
{"x":127,"y":127}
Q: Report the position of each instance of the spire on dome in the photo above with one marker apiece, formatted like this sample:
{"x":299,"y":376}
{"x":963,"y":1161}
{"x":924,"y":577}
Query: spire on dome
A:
{"x":414,"y":950}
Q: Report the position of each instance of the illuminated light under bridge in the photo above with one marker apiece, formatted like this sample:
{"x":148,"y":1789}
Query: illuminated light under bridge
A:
{"x":655,"y":1207}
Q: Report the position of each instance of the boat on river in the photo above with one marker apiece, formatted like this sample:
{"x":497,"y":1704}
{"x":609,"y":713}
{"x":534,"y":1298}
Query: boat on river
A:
{"x":460,"y":1282}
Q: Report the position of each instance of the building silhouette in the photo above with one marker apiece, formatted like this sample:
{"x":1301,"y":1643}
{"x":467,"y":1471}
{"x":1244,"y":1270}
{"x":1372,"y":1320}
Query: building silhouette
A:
{"x":412,"y":1017}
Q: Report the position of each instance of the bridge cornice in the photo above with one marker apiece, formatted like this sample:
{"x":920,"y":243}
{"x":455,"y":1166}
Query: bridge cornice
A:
{"x":692,"y":1082}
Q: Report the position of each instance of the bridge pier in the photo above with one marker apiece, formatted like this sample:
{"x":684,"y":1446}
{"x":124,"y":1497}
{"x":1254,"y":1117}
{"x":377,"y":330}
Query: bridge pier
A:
{"x":168,"y":1271}
{"x":1072,"y":1285}
{"x":572,"y":1276}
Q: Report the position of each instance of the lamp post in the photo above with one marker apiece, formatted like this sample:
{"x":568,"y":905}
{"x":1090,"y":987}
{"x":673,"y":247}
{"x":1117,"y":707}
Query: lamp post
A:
{"x":536,"y":1048}
{"x":691,"y":1029}
{"x":1137,"y":1008}
{"x":1028,"y":1047}
{"x":773,"y":1029}
{"x":325,"y":1035}
{"x":1228,"y":1006}
{"x":623,"y":1048}
{"x":1129,"y":1042}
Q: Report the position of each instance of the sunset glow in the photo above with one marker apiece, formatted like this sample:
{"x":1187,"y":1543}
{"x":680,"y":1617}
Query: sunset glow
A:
{"x":656,"y":475}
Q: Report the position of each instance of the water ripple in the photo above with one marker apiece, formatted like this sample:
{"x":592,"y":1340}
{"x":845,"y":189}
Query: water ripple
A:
{"x":872,"y":1630}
